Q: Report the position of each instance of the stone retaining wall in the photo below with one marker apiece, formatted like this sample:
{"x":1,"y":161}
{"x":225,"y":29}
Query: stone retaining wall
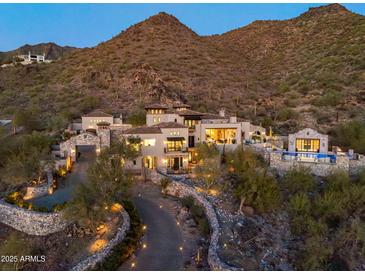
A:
{"x":318,"y":169}
{"x":90,"y":262}
{"x":31,"y":222}
{"x":357,"y":166}
{"x":182,"y":190}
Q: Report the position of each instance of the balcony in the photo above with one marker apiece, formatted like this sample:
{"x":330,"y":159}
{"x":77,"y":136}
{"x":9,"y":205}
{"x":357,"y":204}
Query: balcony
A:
{"x":175,"y":149}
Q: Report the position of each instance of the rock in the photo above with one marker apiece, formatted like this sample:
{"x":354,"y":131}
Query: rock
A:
{"x":248,"y":210}
{"x":284,"y":266}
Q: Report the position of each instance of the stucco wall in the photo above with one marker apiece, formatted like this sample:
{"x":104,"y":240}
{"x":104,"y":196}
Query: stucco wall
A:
{"x":31,"y":222}
{"x":91,"y":122}
{"x":90,"y":262}
{"x":308,"y":133}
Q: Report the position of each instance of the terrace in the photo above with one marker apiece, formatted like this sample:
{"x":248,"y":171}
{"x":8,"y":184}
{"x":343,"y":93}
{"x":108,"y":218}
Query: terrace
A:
{"x":311,"y":157}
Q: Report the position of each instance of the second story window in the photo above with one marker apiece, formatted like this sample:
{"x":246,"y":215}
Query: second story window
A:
{"x":190,"y":123}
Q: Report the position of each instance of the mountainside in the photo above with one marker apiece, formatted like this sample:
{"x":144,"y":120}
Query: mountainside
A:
{"x":306,"y":71}
{"x":51,"y":50}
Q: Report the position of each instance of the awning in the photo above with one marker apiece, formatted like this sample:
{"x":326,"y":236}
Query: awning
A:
{"x":175,"y":138}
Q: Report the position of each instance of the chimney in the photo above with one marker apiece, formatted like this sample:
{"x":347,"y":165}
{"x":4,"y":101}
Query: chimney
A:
{"x":233,"y":119}
{"x":222,"y":112}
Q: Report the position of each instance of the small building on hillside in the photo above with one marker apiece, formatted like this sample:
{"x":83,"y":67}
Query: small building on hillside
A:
{"x":308,"y":140}
{"x":308,"y":149}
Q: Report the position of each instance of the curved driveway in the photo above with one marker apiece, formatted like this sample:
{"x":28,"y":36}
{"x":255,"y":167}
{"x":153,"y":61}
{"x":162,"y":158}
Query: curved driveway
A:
{"x":162,"y":237}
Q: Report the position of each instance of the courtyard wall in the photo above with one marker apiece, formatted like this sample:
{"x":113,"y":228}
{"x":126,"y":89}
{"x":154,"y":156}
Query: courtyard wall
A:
{"x":31,"y":222}
{"x":91,"y":262}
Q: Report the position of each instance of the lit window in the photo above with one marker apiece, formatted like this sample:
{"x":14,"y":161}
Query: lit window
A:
{"x":156,"y":119}
{"x":175,"y":133}
{"x":149,"y":142}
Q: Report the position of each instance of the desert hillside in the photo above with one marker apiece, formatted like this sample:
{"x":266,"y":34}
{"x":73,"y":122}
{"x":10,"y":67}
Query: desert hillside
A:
{"x":309,"y":70}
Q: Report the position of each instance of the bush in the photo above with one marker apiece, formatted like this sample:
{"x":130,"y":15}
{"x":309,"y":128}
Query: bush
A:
{"x":165,"y":182}
{"x":287,"y":114}
{"x":315,"y":255}
{"x":299,"y":181}
{"x":350,"y":135}
{"x":331,"y":98}
{"x":198,"y":214}
{"x":15,"y":246}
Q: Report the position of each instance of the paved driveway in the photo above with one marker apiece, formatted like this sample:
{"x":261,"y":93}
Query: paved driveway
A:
{"x":65,"y":192}
{"x":162,"y":237}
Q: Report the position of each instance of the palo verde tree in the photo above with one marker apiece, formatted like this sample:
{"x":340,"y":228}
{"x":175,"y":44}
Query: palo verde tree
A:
{"x":208,"y":168}
{"x":254,"y":186}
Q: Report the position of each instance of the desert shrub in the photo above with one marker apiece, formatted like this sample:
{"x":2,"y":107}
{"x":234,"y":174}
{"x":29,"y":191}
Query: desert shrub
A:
{"x":198,"y":214}
{"x":287,"y":114}
{"x":299,"y":181}
{"x":258,"y":189}
{"x":350,"y":135}
{"x":330,"y":98}
{"x":15,"y":246}
{"x":165,"y":182}
{"x":316,"y":253}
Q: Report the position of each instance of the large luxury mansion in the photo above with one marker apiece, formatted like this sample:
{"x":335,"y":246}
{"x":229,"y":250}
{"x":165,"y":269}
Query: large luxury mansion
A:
{"x":169,"y":138}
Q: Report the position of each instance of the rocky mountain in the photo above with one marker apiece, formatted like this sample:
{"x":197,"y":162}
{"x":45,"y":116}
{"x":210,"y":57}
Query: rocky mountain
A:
{"x":309,"y":70}
{"x":51,"y":50}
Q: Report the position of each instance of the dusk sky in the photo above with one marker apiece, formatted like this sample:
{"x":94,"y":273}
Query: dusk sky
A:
{"x":86,"y":25}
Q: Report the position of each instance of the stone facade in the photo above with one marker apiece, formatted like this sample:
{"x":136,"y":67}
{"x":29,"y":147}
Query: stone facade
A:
{"x":356,"y":166}
{"x":308,"y":133}
{"x":68,"y":148}
{"x":182,"y":190}
{"x":90,"y":262}
{"x":316,"y":168}
{"x":31,"y":222}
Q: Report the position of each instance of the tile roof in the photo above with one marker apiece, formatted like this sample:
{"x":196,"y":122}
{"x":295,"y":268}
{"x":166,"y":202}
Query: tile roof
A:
{"x":180,"y":105}
{"x":97,"y":113}
{"x":156,"y":105}
{"x":143,"y":130}
{"x":170,"y":125}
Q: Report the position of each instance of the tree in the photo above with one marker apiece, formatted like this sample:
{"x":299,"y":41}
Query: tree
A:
{"x":208,"y":168}
{"x":350,"y":135}
{"x":208,"y":171}
{"x":108,"y":182}
{"x":137,"y":118}
{"x":206,"y":151}
{"x":26,"y":119}
{"x":257,"y":189}
{"x":28,"y":160}
{"x":240,"y":160}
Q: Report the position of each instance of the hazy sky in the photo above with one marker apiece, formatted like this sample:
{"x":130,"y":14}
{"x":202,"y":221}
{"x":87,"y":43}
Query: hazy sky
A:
{"x":86,"y":25}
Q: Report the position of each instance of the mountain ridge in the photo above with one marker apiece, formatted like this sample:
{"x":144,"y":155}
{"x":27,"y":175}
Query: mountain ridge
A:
{"x":304,"y":71}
